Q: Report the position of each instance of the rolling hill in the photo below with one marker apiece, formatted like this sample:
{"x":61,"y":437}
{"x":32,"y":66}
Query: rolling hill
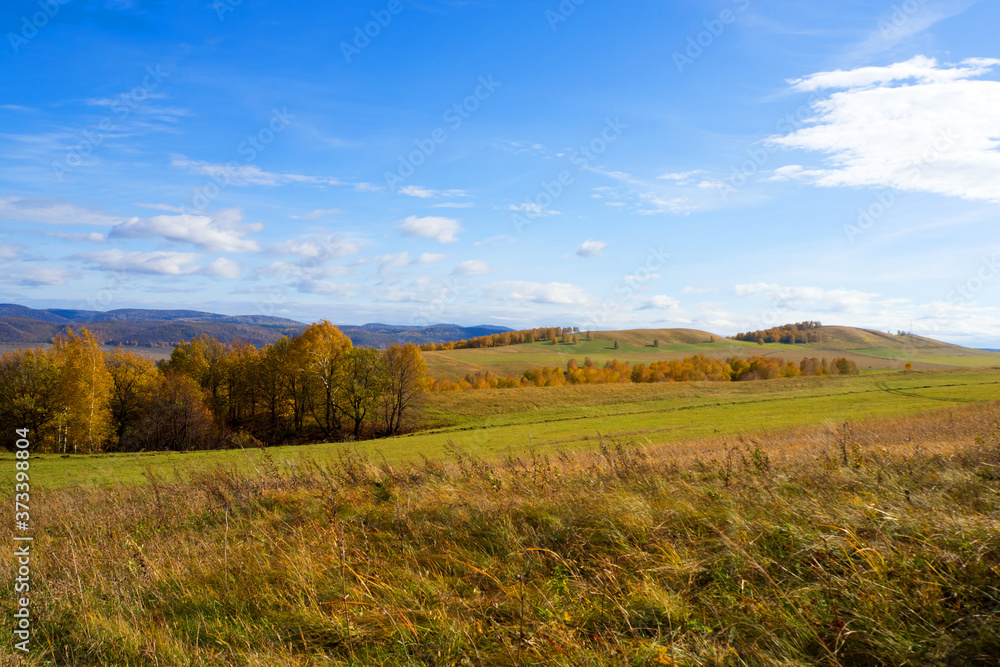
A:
{"x":162,"y":329}
{"x":869,"y":349}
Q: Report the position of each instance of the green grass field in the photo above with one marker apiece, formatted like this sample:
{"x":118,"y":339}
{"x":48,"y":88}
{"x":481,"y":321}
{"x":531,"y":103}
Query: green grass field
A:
{"x":869,"y":350}
{"x":492,"y":422}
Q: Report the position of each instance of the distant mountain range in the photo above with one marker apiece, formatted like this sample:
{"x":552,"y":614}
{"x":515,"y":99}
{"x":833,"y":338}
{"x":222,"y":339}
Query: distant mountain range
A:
{"x":166,"y":328}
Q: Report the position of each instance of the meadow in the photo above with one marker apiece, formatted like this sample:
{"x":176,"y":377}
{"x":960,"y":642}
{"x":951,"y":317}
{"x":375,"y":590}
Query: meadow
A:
{"x":494,"y":422}
{"x":869,"y":350}
{"x":840,"y":520}
{"x":874,"y":543}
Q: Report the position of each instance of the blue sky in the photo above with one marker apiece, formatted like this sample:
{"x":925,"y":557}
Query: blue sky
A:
{"x":720,"y":165}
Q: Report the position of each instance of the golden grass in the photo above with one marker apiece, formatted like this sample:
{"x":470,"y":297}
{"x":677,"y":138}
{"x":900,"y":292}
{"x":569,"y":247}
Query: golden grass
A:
{"x":866,"y":544}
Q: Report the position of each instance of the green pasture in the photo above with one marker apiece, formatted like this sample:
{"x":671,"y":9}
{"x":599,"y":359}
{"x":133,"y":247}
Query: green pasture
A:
{"x":492,"y":422}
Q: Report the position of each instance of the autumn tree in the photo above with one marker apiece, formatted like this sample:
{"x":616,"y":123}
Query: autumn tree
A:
{"x":29,"y":394}
{"x":84,"y":392}
{"x":132,"y":378}
{"x":405,"y":370}
{"x":175,"y":417}
{"x":361,"y":387}
{"x":324,"y":350}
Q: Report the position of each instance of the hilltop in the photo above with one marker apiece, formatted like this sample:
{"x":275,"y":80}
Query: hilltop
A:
{"x":867,"y":348}
{"x":147,"y":328}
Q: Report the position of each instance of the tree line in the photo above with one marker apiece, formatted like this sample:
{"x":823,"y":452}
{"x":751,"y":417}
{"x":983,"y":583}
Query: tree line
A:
{"x":800,"y":332}
{"x":313,"y":386}
{"x":697,"y":368}
{"x":505,"y":338}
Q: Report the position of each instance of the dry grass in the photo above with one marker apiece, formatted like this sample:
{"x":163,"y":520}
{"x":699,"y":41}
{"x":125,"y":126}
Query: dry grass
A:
{"x":871,"y":544}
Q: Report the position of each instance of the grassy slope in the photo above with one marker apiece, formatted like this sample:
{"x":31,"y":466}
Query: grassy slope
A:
{"x":492,"y":422}
{"x":792,"y":550}
{"x":869,"y":349}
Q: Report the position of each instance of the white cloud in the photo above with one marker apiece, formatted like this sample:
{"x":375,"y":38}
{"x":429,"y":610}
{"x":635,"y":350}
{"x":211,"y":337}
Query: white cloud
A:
{"x":681,"y":176}
{"x":162,"y":207}
{"x":547,"y":293}
{"x":44,"y":276}
{"x":455,"y":204}
{"x":914,"y":126}
{"x":532,"y":209}
{"x":223,"y":267}
{"x":390,"y":262}
{"x":93,"y":237}
{"x":289,"y":271}
{"x":698,"y":290}
{"x":442,"y":230}
{"x":660,"y":302}
{"x":493,"y":239}
{"x":473,"y":267}
{"x":324,"y":247}
{"x":156,"y":263}
{"x":814,"y":298}
{"x":9,"y":251}
{"x":520,"y":147}
{"x":222,"y":232}
{"x":250,"y":174}
{"x":318,"y":213}
{"x":426,"y":193}
{"x":591,"y":248}
{"x":52,"y":212}
{"x":430,"y":257}
{"x":920,"y":69}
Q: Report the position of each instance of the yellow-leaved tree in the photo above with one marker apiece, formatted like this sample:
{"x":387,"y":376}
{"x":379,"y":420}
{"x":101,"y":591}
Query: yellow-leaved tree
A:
{"x":132,"y":380}
{"x":405,"y":371}
{"x":84,"y":393}
{"x":324,"y":349}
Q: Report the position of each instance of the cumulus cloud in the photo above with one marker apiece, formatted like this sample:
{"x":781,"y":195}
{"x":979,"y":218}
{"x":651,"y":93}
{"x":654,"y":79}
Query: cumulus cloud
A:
{"x":660,"y":302}
{"x":155,"y":263}
{"x":546,"y":293}
{"x":814,"y":298}
{"x":53,"y":212}
{"x":442,"y":230}
{"x":591,"y":248}
{"x":44,"y":277}
{"x":319,"y":247}
{"x":473,"y":267}
{"x":223,"y":267}
{"x":915,"y":126}
{"x":223,"y":232}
